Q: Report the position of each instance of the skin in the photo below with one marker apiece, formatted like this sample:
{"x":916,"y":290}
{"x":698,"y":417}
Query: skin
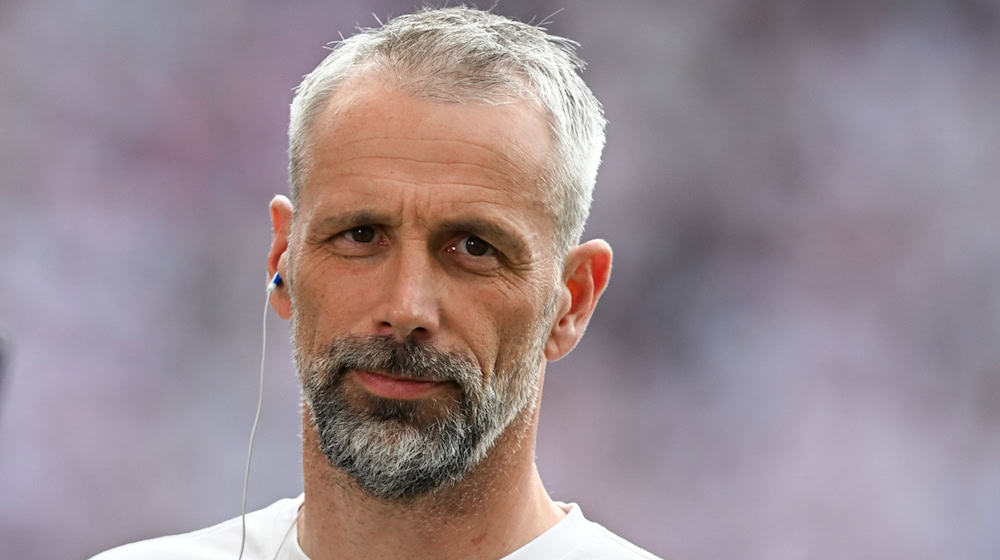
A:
{"x":420,"y":178}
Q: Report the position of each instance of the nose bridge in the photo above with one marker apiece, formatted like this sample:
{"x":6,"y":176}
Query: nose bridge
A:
{"x":410,"y":306}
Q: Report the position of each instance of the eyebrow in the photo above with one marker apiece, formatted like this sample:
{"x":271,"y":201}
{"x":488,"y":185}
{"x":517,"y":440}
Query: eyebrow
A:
{"x":339,"y":222}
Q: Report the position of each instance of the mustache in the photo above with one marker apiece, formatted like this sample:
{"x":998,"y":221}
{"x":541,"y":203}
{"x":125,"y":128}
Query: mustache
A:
{"x":411,"y":359}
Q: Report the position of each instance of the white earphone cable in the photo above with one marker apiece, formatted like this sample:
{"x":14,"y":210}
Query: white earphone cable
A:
{"x":256,"y":419}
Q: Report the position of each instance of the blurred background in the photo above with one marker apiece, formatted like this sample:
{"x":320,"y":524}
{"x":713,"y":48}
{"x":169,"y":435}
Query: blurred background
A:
{"x":798,"y":355}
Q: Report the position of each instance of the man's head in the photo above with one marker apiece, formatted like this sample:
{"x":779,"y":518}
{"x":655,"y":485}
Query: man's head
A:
{"x":429,"y":259}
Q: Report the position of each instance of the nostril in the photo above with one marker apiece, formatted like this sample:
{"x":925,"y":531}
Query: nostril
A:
{"x":401,"y":330}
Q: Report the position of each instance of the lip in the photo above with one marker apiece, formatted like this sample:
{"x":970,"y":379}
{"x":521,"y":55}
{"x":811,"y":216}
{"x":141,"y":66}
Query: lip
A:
{"x":390,"y":387}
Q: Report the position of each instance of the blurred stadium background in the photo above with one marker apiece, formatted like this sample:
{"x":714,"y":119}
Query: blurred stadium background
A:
{"x":798,"y":357}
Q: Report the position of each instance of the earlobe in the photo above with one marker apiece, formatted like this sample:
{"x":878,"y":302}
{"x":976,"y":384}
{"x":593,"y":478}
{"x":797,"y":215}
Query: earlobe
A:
{"x":277,"y":257}
{"x":559,"y":328}
{"x":585,"y":276}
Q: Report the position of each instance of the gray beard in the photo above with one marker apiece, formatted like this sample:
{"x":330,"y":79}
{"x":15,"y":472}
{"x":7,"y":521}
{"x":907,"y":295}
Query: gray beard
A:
{"x":390,"y":447}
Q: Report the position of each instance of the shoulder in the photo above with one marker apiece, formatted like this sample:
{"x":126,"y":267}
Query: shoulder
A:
{"x":577,"y":538}
{"x":605,"y":544}
{"x":220,"y":541}
{"x":206,"y":544}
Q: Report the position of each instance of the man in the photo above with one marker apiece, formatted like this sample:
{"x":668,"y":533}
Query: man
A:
{"x":441,"y":173}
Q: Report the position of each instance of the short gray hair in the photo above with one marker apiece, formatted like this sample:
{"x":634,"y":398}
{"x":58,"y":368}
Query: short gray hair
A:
{"x":462,"y":54}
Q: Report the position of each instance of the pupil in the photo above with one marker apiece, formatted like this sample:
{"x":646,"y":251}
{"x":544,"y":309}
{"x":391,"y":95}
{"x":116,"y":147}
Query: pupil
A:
{"x":476,"y":247}
{"x":363,"y":234}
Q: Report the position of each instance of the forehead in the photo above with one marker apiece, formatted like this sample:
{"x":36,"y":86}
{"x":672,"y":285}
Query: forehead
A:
{"x":370,"y":130}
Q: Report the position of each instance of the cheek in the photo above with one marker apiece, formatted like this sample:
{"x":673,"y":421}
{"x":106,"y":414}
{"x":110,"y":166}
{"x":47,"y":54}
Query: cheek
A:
{"x":516,"y":326}
{"x":304,"y":318}
{"x":324,"y":299}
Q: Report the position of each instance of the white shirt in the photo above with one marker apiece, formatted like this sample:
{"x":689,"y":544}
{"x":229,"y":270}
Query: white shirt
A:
{"x":271,"y":534}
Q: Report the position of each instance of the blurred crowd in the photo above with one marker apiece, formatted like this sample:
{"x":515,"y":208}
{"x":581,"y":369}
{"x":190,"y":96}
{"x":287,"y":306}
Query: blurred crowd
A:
{"x":799,"y":352}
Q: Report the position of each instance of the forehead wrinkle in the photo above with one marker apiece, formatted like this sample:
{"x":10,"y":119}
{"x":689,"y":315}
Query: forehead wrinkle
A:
{"x":496,"y":162}
{"x":501,"y":175}
{"x":338,"y":124}
{"x":428,"y":162}
{"x":464,"y":142}
{"x":424,"y":183}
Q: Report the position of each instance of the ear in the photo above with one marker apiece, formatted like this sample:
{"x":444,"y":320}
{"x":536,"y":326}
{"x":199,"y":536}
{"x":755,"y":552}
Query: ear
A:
{"x":277,"y":257}
{"x":585,"y":275}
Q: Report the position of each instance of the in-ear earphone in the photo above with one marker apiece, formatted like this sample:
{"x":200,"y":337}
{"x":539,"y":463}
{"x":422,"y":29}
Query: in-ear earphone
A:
{"x":276,"y":282}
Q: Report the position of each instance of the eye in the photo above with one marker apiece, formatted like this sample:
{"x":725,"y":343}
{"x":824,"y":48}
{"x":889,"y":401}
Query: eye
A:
{"x":477,"y":247}
{"x":358,"y":241}
{"x":473,"y":246}
{"x":361,"y":234}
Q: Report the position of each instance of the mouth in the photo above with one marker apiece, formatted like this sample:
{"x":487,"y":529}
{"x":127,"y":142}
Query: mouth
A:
{"x":395,"y":387}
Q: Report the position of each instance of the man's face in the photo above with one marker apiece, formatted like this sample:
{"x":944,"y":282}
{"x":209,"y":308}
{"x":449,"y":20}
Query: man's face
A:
{"x":421,"y":269}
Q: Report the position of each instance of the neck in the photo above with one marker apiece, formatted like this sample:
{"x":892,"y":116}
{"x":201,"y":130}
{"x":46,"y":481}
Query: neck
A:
{"x":500,"y":506}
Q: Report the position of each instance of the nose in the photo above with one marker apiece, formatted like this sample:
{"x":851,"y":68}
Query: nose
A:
{"x":409,"y":309}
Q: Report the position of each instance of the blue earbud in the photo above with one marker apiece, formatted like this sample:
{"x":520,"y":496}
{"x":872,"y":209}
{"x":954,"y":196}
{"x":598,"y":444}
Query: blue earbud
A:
{"x":275,"y":282}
